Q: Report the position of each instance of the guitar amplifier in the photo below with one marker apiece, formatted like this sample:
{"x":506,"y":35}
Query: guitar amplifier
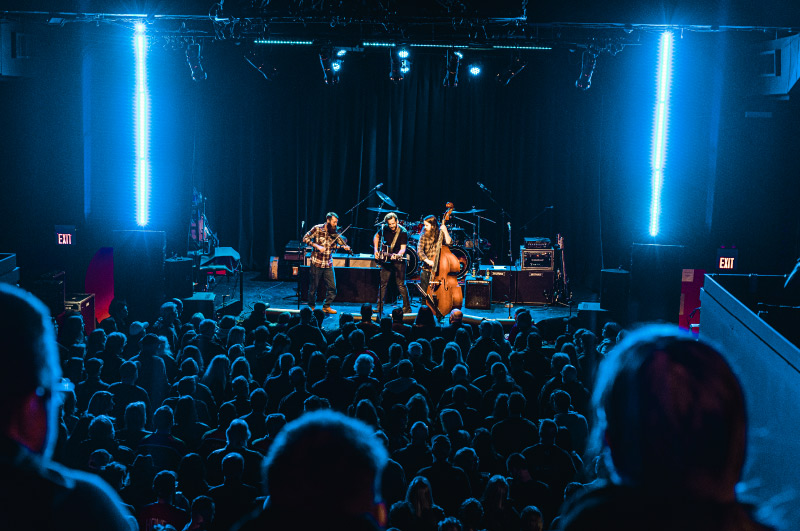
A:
{"x":536,"y":259}
{"x":478,"y":293}
{"x":535,"y":287}
{"x":537,"y":243}
{"x":504,"y":282}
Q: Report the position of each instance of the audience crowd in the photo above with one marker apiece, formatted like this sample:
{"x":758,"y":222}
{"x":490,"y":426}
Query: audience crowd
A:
{"x":482,"y":429}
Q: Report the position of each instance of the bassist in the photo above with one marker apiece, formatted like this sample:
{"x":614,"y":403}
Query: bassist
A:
{"x":390,"y":248}
{"x":426,"y":249}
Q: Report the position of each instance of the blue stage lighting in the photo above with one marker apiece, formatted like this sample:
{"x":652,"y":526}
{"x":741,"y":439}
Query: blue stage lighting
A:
{"x":474,"y":70}
{"x":402,"y":53}
{"x":660,"y":128}
{"x":142,"y":178}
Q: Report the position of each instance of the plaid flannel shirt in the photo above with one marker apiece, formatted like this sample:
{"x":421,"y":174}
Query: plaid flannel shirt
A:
{"x":319,"y":235}
{"x":426,"y":248}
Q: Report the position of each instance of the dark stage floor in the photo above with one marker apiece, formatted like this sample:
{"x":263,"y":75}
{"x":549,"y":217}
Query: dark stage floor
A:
{"x":281,"y":296}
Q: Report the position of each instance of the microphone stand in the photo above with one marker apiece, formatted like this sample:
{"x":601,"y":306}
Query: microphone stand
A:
{"x":354,"y":207}
{"x":504,"y":215}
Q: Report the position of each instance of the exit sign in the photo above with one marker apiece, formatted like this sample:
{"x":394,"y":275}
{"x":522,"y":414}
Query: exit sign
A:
{"x":727,"y":258}
{"x":65,"y":234}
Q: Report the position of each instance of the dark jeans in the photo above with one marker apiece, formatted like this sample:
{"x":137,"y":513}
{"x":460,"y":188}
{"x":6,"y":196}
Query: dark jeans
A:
{"x":398,"y":270}
{"x":424,"y":279}
{"x":326,"y":274}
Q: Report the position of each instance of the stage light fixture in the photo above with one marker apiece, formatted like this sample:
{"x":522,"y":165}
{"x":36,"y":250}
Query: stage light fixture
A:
{"x":663,"y":80}
{"x":341,"y":52}
{"x":142,"y":107}
{"x":588,"y":64}
{"x":260,"y":60}
{"x":452,"y":62}
{"x":516,"y":66}
{"x":195,"y":61}
{"x":474,"y":70}
{"x":400,"y":64}
{"x":331,"y":65}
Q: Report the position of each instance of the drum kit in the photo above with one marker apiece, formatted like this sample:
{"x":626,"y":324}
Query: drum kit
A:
{"x":468,"y":247}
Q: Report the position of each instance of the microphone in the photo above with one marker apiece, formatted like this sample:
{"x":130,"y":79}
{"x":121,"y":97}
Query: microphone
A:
{"x":481,"y":185}
{"x":378,"y":186}
{"x":509,"y":226}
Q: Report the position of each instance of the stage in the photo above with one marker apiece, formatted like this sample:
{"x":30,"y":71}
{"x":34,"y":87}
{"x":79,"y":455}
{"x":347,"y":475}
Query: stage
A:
{"x":282,"y":297}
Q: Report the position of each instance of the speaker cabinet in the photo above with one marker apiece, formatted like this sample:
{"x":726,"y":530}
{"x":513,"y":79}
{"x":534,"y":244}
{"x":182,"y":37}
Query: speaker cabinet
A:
{"x":615,"y":293}
{"x":503,"y":282}
{"x":478,"y":293}
{"x":50,"y":289}
{"x":353,"y":284}
{"x":535,"y":287}
{"x":202,"y":302}
{"x":655,"y":282}
{"x":178,"y":273}
{"x":139,"y":257}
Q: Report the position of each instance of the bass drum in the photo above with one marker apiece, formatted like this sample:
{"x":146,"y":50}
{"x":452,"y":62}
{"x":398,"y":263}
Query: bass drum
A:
{"x":412,"y":265}
{"x":463,"y":259}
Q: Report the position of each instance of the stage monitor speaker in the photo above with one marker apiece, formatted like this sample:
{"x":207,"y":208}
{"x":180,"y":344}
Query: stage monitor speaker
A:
{"x":139,"y":257}
{"x":202,"y":302}
{"x":178,"y":276}
{"x":655,"y":282}
{"x":353,"y":284}
{"x":478,"y":293}
{"x":535,"y":287}
{"x":504,"y":282}
{"x":615,"y":293}
{"x":593,"y":317}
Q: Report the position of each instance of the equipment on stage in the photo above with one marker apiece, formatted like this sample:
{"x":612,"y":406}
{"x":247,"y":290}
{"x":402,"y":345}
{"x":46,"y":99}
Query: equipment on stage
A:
{"x":562,"y":294}
{"x":380,"y":210}
{"x":537,"y":243}
{"x":464,"y":261}
{"x":478,"y":293}
{"x":385,"y":257}
{"x":536,"y":259}
{"x":386,"y":199}
{"x":473,"y":210}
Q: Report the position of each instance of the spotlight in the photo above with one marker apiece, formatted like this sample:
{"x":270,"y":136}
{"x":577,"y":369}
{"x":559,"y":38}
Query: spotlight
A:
{"x":259,"y":59}
{"x":194,"y":59}
{"x":399,"y":63}
{"x":139,"y":27}
{"x":452,"y":60}
{"x":474,"y":70}
{"x":341,"y":52}
{"x":588,"y":63}
{"x":514,"y":68}
{"x":330,"y":67}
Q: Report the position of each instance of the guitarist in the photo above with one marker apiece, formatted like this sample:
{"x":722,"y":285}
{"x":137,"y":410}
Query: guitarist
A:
{"x":390,"y":248}
{"x":427,"y":247}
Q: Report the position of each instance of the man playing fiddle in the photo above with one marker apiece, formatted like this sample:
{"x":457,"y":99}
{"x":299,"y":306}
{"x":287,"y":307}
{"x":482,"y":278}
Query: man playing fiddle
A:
{"x":390,"y":248}
{"x":324,"y":239}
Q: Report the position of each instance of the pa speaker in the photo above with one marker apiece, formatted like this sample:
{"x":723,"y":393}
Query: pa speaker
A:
{"x":139,"y":271}
{"x":353,"y":284}
{"x":615,"y":293}
{"x":504,"y":282}
{"x":178,"y":277}
{"x":655,"y":282}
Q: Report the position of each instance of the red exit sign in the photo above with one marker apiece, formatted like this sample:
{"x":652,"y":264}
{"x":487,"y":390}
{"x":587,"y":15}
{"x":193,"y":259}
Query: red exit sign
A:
{"x":727,"y":258}
{"x":727,"y":262}
{"x":65,"y":234}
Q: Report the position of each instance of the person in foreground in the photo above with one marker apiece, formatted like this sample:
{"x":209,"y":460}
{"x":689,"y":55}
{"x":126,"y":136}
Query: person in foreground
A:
{"x":35,"y":492}
{"x":670,"y":421}
{"x":322,"y":472}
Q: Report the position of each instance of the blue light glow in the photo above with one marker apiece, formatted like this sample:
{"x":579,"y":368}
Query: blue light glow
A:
{"x":142,"y":134}
{"x":474,"y":70}
{"x":336,"y":66}
{"x":402,"y":54}
{"x":458,"y":54}
{"x":341,"y":53}
{"x":660,"y":128}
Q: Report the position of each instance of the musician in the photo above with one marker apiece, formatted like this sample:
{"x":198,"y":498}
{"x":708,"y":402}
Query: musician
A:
{"x":427,"y":247}
{"x":392,"y":239}
{"x":324,"y":239}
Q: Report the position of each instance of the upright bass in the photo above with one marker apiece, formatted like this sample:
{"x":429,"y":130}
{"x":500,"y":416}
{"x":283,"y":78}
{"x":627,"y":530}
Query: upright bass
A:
{"x":444,"y":293}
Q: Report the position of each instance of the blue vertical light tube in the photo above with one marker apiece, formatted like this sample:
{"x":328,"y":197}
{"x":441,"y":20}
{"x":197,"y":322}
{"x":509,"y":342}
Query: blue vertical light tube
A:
{"x":142,"y":129}
{"x":660,"y":128}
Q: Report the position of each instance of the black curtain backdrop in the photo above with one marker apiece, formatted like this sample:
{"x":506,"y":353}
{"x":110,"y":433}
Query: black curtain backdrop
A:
{"x":272,"y":155}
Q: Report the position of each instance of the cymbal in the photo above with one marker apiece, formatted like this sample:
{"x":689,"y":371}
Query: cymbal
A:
{"x":386,"y":199}
{"x":386,"y":211}
{"x":473,"y":211}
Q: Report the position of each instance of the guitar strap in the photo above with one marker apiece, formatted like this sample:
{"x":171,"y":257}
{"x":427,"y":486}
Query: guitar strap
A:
{"x":394,"y":240}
